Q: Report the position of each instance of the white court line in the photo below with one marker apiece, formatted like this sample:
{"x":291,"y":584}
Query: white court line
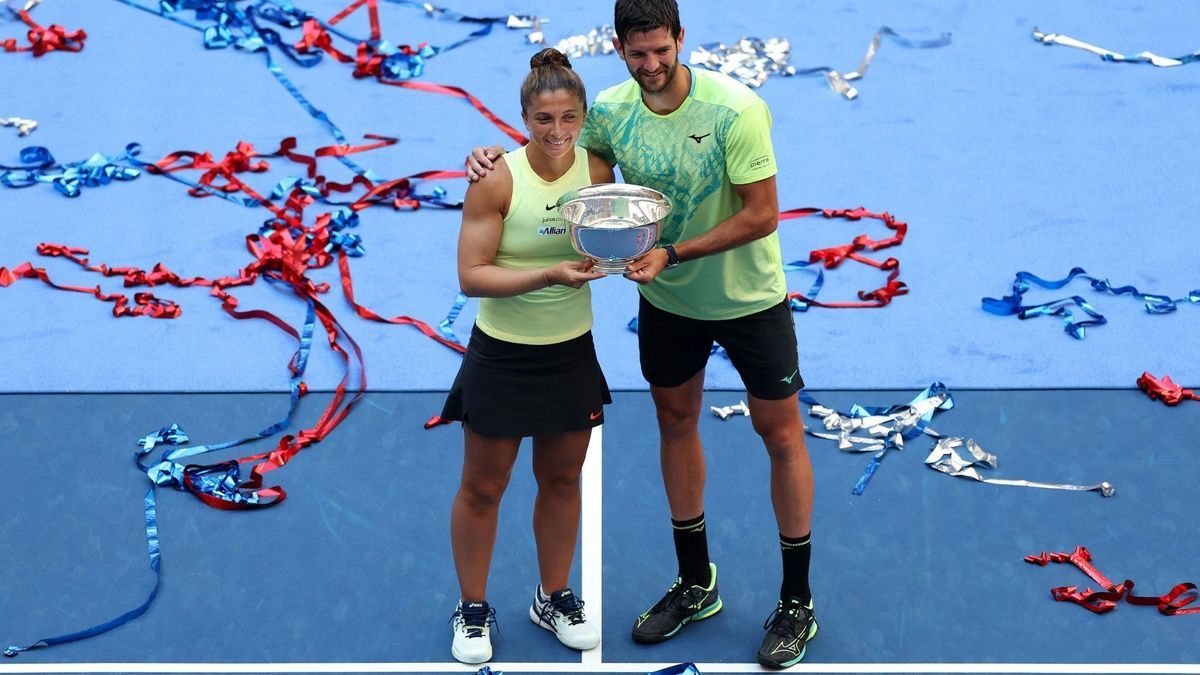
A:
{"x":516,"y":668}
{"x":591,"y":567}
{"x":591,"y":579}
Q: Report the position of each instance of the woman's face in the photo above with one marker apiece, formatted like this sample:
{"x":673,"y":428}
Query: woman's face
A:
{"x":554,"y":119}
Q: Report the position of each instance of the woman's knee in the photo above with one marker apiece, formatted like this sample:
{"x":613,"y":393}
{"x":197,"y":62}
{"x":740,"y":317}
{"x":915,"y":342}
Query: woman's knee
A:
{"x":558,"y":479}
{"x":483,"y":491}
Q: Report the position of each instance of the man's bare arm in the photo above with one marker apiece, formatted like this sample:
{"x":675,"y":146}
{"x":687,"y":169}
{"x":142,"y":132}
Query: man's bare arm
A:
{"x":758,"y":218}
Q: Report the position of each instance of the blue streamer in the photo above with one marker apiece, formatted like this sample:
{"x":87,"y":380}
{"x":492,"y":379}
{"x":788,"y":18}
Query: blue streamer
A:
{"x":150,"y":511}
{"x":860,"y":411}
{"x":219,"y":480}
{"x":799,"y":304}
{"x":446,"y":327}
{"x":865,"y":479}
{"x":39,"y":166}
{"x":1012,"y":304}
{"x":169,"y":471}
{"x":256,"y":39}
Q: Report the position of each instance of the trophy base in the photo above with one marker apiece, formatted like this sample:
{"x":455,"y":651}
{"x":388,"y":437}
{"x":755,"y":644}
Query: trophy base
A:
{"x":610,"y":266}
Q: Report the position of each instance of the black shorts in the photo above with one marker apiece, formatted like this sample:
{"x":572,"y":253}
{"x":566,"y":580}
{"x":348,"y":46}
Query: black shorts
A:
{"x":509,"y":390}
{"x":761,"y":346}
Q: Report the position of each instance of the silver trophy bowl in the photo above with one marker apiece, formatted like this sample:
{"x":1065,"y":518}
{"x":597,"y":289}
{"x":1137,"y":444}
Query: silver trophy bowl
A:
{"x":613,"y":223}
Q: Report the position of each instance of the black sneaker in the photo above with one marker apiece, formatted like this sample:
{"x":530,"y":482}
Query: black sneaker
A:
{"x":789,"y":628}
{"x":680,"y":606}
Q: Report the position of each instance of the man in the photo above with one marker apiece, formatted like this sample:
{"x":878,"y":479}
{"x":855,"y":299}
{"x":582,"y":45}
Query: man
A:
{"x":704,"y":140}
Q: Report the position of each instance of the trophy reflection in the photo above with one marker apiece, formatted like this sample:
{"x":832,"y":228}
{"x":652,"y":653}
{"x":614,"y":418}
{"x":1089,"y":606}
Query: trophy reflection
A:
{"x":612,"y":223}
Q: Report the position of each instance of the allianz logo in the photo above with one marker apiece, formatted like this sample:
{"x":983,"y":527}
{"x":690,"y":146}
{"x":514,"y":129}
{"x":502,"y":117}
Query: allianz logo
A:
{"x":551,"y":230}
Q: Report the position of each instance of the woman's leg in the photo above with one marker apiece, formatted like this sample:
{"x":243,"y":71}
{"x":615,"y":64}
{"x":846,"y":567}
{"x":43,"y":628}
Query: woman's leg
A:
{"x":487,"y":466}
{"x":557,"y":463}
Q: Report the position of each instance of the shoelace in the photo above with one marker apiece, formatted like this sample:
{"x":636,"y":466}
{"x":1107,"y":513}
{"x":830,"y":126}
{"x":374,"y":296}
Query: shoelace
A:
{"x":570,"y":607}
{"x":783,"y":623}
{"x":677,"y":594}
{"x":474,"y":620}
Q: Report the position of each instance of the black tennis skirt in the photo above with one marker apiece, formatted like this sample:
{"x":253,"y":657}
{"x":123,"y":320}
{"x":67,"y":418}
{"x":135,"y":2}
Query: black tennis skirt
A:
{"x":510,"y":390}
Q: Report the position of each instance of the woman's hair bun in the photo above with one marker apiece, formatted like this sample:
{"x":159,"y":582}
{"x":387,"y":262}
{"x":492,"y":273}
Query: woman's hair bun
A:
{"x":549,"y":57}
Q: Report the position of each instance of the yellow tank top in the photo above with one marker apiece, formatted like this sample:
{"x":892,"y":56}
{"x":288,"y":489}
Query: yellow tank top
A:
{"x":535,"y":236}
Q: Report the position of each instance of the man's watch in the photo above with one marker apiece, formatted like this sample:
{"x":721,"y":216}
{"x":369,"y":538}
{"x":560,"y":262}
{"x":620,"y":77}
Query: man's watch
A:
{"x":672,"y":256}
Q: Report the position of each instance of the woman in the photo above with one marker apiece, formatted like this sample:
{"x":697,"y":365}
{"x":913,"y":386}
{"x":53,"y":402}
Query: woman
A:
{"x":530,"y":368}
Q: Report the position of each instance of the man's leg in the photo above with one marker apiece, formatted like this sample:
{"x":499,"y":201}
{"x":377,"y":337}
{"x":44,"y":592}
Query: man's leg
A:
{"x":778,"y":424}
{"x":681,"y":455}
{"x":674,"y":350}
{"x":762,"y":346}
{"x":680,"y":450}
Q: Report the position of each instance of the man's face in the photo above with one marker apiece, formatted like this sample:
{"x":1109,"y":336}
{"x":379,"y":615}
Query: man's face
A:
{"x":651,"y":57}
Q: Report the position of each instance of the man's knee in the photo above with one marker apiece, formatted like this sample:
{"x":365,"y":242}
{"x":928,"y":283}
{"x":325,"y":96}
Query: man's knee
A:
{"x":784,"y":439}
{"x":677,"y":419}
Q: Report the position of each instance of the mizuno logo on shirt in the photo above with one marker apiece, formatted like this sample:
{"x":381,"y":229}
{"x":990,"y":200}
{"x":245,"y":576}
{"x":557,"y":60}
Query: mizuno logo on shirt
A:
{"x":696,"y":138}
{"x":789,"y":378}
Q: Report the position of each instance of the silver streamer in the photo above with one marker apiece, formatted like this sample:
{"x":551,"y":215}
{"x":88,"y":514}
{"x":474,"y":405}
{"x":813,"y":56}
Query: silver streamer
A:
{"x":749,"y":61}
{"x":1108,"y":55}
{"x":727,"y":411}
{"x":887,"y":431}
{"x":879,"y":428}
{"x":752,"y":61}
{"x":24,"y":126}
{"x":515,"y":21}
{"x":944,"y":458}
{"x":536,"y":36}
{"x":597,"y":41}
{"x":22,"y":5}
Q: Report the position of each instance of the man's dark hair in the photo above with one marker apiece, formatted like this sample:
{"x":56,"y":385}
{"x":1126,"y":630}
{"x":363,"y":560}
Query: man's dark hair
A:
{"x":643,"y":16}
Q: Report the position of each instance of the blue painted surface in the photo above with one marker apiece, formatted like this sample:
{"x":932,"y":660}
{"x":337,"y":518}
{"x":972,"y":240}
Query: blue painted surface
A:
{"x":1001,"y":154}
{"x":356,"y":567}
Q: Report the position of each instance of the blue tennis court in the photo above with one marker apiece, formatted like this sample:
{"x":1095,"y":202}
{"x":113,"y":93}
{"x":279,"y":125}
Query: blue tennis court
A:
{"x":999,"y":155}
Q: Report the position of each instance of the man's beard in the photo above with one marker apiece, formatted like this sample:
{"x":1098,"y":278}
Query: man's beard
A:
{"x":668,"y":78}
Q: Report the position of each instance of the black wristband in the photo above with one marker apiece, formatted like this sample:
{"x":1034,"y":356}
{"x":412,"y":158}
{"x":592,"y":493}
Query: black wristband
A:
{"x":672,"y":256}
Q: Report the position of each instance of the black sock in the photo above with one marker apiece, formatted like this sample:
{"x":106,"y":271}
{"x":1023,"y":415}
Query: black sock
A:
{"x":796,"y":554}
{"x":691,"y":548}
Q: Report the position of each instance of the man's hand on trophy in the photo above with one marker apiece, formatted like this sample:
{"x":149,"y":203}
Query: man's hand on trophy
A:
{"x":479,"y":162}
{"x":572,"y":273}
{"x":644,"y":269}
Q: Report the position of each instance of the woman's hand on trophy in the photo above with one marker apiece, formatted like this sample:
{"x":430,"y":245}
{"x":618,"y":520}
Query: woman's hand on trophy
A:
{"x":479,"y":162}
{"x":644,"y":269}
{"x":572,"y":273}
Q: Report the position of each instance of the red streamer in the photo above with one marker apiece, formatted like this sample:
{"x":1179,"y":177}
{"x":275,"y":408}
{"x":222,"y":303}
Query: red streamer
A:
{"x":1171,"y":603}
{"x":368,"y":62}
{"x":832,"y":257}
{"x":1165,"y":390}
{"x":44,"y":40}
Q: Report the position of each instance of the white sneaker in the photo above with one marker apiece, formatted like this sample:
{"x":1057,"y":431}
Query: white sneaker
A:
{"x":472,"y":642}
{"x":562,"y":614}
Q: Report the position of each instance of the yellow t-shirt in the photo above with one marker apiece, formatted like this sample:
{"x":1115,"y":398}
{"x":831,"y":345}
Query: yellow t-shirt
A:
{"x":720,"y":136}
{"x":534,"y":236}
